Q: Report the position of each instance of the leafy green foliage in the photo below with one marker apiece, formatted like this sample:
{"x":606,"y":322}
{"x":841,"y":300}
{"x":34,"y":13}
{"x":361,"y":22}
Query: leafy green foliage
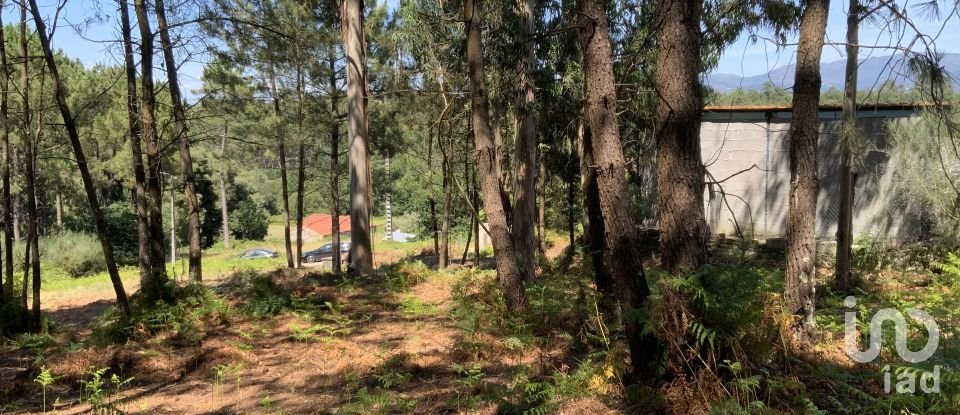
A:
{"x":266,"y":297}
{"x":194,"y":309}
{"x":100,"y":391}
{"x":121,"y":222}
{"x":76,"y":254}
{"x":249,"y":222}
{"x":45,"y":379}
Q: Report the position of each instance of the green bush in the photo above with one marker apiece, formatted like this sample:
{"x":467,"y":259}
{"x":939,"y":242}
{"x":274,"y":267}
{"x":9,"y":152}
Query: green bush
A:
{"x":194,"y":309}
{"x":121,"y":220}
{"x":249,"y":222}
{"x":76,"y":254}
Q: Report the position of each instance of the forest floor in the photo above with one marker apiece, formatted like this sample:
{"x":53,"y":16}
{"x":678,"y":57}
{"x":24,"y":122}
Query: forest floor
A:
{"x":412,"y":339}
{"x":375,"y":346}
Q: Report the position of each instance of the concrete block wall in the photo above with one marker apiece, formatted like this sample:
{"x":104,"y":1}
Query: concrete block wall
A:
{"x":749,"y":153}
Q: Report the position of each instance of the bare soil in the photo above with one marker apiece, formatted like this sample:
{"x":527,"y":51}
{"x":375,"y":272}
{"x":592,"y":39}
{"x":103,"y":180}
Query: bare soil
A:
{"x":256,"y":366}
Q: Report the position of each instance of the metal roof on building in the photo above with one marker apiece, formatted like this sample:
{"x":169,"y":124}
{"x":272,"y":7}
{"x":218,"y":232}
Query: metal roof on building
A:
{"x":717,"y":113}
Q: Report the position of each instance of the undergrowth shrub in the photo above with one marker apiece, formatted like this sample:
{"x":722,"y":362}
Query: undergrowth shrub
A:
{"x":403,"y":275}
{"x":195,"y":307}
{"x":718,"y":328}
{"x":76,"y":254}
{"x":564,"y":311}
{"x":265,"y":297}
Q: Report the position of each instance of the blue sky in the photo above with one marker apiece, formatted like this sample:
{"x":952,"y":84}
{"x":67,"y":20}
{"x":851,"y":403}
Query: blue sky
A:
{"x":88,"y":29}
{"x":747,"y":59}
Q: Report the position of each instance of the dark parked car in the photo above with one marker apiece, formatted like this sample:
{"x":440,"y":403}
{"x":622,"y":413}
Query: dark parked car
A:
{"x":258,"y":253}
{"x":325,"y":253}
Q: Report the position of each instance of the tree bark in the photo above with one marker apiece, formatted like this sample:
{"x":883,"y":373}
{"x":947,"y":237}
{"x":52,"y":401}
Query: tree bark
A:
{"x":525,"y":185}
{"x":282,"y":156}
{"x":593,"y":229}
{"x":133,"y":121}
{"x":81,"y":160}
{"x":620,"y":236}
{"x":183,"y":144}
{"x":8,"y":269}
{"x":156,"y":287}
{"x":224,"y":211}
{"x":508,"y":272}
{"x":804,"y":183}
{"x":354,"y":44}
{"x":541,"y":239}
{"x":334,"y":165}
{"x":32,"y":256}
{"x":301,"y":158}
{"x":571,"y":194}
{"x":476,"y":219}
{"x":845,"y":280}
{"x":680,"y":171}
{"x":431,"y":201}
{"x":446,"y":148}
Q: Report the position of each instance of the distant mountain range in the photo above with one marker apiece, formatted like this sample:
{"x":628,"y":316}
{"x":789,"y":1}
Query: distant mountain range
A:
{"x":873,"y":72}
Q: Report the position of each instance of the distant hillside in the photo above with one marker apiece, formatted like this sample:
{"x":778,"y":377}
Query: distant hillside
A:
{"x":873,"y":72}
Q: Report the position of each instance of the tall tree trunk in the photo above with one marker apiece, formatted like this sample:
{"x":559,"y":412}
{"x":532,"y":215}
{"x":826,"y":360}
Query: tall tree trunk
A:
{"x":224,"y":211}
{"x":354,"y":45}
{"x":804,"y":183}
{"x":282,"y":156}
{"x":58,"y":202}
{"x":173,"y":229}
{"x":431,"y":201}
{"x":301,"y":157}
{"x":183,"y":144}
{"x":473,"y":218}
{"x":7,"y":207}
{"x":593,"y":230}
{"x":16,"y":199}
{"x":156,"y":287}
{"x":541,"y":207}
{"x":476,"y":221}
{"x":620,"y":232}
{"x":446,"y":150}
{"x":133,"y":121}
{"x":571,"y":194}
{"x":845,"y":280}
{"x":81,"y":160}
{"x":508,"y":272}
{"x":32,"y":256}
{"x":334,"y":164}
{"x":680,"y":171}
{"x":525,"y":186}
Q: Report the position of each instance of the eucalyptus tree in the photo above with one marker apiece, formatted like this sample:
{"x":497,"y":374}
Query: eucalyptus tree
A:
{"x":849,"y":134}
{"x":428,"y":37}
{"x":526,"y":175}
{"x":800,"y":296}
{"x":5,"y":209}
{"x":508,"y":272}
{"x":79,"y":157}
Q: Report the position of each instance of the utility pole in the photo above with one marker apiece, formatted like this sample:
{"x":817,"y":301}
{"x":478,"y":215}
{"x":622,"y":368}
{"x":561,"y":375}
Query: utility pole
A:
{"x":389,"y":224}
